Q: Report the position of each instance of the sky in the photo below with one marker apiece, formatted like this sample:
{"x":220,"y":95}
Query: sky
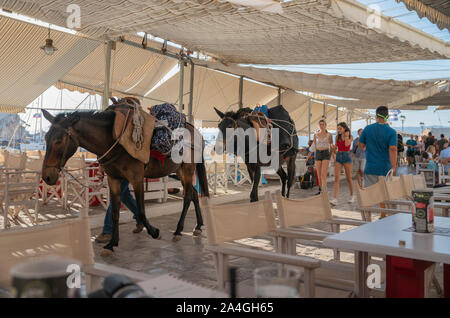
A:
{"x":411,"y":70}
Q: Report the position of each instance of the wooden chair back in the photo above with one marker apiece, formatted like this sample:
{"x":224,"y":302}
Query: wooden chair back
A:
{"x":34,"y":164}
{"x":394,"y":188}
{"x":226,"y":223}
{"x":371,"y":195}
{"x":15,"y":161}
{"x":303,"y":211}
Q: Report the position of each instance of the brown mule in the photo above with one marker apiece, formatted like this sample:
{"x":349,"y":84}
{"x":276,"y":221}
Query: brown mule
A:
{"x":93,"y":132}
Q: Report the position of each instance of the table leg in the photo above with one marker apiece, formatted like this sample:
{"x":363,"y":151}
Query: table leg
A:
{"x":447,"y":280}
{"x":361,"y":263}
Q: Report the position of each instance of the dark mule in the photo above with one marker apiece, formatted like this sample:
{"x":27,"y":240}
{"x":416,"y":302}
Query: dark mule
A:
{"x":93,"y":131}
{"x":287,"y":152}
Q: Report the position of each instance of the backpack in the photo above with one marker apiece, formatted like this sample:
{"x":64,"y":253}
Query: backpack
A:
{"x":306,"y":181}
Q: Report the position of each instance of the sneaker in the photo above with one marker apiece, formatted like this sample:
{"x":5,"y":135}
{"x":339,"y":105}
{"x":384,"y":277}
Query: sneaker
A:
{"x":103,"y":238}
{"x":334,"y":201}
{"x":138,"y":229}
{"x":352,"y":199}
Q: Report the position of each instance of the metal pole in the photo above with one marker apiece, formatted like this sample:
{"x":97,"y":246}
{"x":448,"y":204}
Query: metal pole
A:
{"x":324,"y":112}
{"x":106,"y":87}
{"x":309,"y":119}
{"x":279,"y":96}
{"x":337,"y":117}
{"x":350,"y":121}
{"x":191,"y":93}
{"x":180,"y":97}
{"x":42,"y":103}
{"x":241,"y":91}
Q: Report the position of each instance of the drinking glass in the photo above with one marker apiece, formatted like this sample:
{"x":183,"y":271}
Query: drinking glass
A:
{"x":276,"y":282}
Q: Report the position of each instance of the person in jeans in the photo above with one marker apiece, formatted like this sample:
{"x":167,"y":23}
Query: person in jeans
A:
{"x":359,"y":158}
{"x":343,"y":159}
{"x":321,"y":147}
{"x":310,"y":162}
{"x":127,"y":199}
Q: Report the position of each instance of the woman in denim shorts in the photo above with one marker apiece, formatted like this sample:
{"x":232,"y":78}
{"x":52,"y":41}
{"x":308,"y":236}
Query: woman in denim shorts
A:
{"x":322,"y":143}
{"x":343,"y":159}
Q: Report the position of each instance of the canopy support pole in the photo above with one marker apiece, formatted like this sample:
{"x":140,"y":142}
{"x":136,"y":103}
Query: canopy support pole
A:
{"x":337,"y":117}
{"x":241,"y":91}
{"x":180,"y":96}
{"x":324,"y":112}
{"x":309,"y":119}
{"x":106,"y":88}
{"x":191,"y":93}
{"x":279,"y":95}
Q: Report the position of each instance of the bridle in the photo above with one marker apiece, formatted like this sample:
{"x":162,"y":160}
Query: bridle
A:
{"x":77,"y":143}
{"x":66,"y":147}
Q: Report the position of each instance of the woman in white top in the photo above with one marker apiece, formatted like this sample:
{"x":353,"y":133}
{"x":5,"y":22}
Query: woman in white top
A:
{"x":322,"y":144}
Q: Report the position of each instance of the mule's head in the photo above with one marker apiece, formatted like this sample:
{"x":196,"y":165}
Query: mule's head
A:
{"x":233,"y":120}
{"x":61,"y":144}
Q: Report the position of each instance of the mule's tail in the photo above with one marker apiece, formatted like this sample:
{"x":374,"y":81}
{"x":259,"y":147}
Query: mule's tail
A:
{"x":202,"y":178}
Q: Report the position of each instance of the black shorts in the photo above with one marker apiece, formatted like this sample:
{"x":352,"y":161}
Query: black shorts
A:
{"x":323,"y":155}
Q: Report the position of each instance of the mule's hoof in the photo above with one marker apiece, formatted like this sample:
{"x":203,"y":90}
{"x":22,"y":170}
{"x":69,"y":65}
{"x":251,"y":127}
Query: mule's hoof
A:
{"x":176,"y":238}
{"x":197,"y":232}
{"x":157,"y":235}
{"x":106,"y":252}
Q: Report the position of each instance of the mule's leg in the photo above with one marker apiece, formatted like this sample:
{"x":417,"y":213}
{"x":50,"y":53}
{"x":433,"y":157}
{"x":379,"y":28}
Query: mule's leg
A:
{"x":283,"y":178}
{"x":186,"y":175}
{"x":138,"y":187}
{"x":198,"y":213}
{"x":186,"y":203}
{"x":291,"y":173}
{"x":114,"y":187}
{"x":256,"y":178}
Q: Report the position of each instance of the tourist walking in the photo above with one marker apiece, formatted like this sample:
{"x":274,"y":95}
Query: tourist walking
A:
{"x":321,"y":147}
{"x":380,"y":142}
{"x":343,"y":159}
{"x":130,"y":203}
{"x":359,"y":158}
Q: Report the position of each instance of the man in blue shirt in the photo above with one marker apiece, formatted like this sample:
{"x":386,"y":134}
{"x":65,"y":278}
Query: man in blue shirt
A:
{"x":412,"y":146}
{"x":380,"y":142}
{"x":359,"y":158}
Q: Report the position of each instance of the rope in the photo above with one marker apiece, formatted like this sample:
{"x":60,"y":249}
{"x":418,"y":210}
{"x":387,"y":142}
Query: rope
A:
{"x":138,"y":123}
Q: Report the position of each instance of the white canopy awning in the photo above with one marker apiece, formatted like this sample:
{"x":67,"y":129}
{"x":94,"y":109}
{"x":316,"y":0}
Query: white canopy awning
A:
{"x":306,"y":32}
{"x":134,"y":71}
{"x":26,"y":71}
{"x":211,"y":89}
{"x":368,"y":92}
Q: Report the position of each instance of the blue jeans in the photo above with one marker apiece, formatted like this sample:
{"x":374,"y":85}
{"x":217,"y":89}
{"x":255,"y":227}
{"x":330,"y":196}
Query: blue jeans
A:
{"x":127,"y":199}
{"x":343,"y":157}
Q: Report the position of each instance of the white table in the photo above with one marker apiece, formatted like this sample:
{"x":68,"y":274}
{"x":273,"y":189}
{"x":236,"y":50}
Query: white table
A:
{"x":382,"y":237}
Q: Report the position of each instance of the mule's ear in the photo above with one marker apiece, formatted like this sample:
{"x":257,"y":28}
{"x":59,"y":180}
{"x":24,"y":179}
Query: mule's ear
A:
{"x":48,"y":116}
{"x":221,"y":115}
